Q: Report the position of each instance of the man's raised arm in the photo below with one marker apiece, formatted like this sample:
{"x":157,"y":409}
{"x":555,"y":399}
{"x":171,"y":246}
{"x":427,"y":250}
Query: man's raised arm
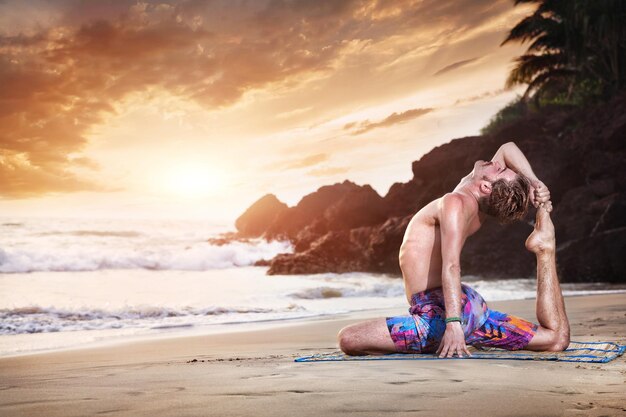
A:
{"x":510,"y":156}
{"x":452,"y":223}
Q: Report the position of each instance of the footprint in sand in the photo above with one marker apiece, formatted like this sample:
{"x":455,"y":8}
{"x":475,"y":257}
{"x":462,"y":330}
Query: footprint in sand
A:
{"x":583,"y":406}
{"x":270,"y":376}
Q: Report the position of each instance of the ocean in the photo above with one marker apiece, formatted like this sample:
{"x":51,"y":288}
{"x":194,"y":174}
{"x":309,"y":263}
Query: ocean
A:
{"x":73,"y":282}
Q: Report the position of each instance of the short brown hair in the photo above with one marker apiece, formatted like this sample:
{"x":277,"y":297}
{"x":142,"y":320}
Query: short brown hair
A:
{"x":508,"y":200}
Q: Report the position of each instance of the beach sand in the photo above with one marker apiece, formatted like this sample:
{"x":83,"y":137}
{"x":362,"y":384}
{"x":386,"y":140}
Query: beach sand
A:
{"x":252,"y":373}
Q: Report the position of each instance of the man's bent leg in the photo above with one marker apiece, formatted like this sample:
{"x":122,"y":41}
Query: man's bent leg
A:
{"x":366,"y":338}
{"x":554,"y":332}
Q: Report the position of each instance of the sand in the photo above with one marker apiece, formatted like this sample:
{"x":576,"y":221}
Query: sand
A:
{"x":252,"y":373}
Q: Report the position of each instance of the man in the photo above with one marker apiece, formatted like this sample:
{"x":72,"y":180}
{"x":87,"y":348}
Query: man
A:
{"x":445,"y":315}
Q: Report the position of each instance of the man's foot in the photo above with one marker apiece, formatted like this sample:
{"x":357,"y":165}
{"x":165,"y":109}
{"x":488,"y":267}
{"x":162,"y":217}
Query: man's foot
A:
{"x":542,"y":240}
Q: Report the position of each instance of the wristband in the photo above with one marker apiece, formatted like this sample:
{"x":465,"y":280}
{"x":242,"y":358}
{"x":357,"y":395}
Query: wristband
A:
{"x":452,"y":319}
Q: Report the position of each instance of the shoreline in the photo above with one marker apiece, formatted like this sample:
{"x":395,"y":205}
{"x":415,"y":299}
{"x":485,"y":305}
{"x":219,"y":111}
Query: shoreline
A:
{"x":252,"y":372}
{"x":187,"y":331}
{"x":102,"y":339}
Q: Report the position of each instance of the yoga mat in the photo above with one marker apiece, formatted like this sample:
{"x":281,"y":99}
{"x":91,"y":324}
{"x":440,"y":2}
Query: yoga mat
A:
{"x":596,"y":352}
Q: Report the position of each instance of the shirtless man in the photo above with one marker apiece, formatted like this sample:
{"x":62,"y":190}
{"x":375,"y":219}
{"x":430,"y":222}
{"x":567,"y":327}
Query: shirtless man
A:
{"x":445,"y":314}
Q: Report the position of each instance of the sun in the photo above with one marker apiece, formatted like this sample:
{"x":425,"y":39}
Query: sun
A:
{"x":193,"y":180}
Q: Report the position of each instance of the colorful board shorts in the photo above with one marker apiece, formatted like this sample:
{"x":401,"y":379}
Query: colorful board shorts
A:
{"x":422,"y":331}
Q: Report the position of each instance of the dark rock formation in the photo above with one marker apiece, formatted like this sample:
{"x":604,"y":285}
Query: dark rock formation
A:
{"x":336,"y":251}
{"x":341,"y":206}
{"x":599,"y":258}
{"x":580,"y":154}
{"x":255,"y":220}
{"x":384,"y":243}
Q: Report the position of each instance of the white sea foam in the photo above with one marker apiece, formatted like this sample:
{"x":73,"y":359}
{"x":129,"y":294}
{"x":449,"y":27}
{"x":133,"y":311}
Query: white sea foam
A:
{"x":36,"y":319}
{"x":384,"y":289}
{"x":72,"y":246}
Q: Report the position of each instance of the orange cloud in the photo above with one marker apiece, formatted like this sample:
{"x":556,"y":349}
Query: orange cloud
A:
{"x":328,"y":171}
{"x":454,"y":66}
{"x":60,"y":81}
{"x":480,"y":96}
{"x":393,"y":119}
{"x":310,"y":160}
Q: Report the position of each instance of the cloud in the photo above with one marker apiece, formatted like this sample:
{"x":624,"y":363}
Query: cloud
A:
{"x":68,"y":70}
{"x":454,"y":66}
{"x":18,"y":177}
{"x":327,"y":171}
{"x":294,"y":112}
{"x":393,"y":119}
{"x":308,"y":161}
{"x":480,"y":96}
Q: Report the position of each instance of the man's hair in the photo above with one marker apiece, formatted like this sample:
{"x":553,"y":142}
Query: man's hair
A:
{"x":508,"y":200}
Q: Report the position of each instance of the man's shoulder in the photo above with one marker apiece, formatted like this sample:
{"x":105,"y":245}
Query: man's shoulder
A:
{"x":459,"y":203}
{"x":457,"y":199}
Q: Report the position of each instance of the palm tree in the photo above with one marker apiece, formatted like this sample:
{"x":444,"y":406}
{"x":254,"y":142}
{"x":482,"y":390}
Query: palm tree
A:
{"x":574,"y":43}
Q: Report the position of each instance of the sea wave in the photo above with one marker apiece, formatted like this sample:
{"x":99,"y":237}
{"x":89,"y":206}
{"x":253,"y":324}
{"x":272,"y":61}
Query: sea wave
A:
{"x":194,"y":256}
{"x":385,"y":289}
{"x":36,"y":319}
{"x":92,"y":233}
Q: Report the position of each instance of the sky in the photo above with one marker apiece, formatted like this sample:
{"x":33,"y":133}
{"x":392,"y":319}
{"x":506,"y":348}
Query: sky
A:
{"x":197,"y":108}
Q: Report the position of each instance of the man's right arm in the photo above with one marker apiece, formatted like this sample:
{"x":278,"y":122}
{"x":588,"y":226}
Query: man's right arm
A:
{"x":452,"y":223}
{"x":511,"y":156}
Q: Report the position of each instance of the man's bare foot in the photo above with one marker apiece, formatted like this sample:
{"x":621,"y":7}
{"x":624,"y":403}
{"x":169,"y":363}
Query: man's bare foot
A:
{"x":542,"y":240}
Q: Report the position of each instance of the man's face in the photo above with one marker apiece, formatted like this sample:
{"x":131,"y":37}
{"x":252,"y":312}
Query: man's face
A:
{"x":493,"y":171}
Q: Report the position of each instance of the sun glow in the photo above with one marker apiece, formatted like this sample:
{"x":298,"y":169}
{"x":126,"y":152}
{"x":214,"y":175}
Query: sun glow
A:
{"x":194,"y":180}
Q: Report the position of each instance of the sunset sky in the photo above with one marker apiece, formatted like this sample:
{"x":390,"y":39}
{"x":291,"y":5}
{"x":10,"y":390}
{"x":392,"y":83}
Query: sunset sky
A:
{"x":195,"y":109}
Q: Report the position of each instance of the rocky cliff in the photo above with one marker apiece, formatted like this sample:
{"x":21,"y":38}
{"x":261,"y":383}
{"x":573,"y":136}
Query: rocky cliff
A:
{"x":580,"y":154}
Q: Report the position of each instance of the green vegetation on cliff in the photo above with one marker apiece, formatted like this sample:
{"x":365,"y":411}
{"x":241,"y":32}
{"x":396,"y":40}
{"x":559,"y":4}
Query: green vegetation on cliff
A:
{"x":576,"y":57}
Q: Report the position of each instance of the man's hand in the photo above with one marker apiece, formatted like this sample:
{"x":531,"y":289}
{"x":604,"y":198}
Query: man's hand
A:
{"x":539,"y":193}
{"x":453,"y":341}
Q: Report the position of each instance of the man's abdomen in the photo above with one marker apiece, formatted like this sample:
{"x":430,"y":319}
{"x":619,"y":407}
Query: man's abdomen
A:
{"x":420,"y":262}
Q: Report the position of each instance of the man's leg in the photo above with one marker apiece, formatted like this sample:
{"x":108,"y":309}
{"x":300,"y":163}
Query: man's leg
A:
{"x":366,"y":338}
{"x":553,"y":332}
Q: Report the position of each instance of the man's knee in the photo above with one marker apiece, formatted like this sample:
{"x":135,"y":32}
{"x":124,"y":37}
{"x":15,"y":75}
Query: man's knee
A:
{"x":560,"y":340}
{"x":348,"y":341}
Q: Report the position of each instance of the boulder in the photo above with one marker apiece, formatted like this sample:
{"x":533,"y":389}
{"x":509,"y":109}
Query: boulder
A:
{"x":599,"y":258}
{"x":384,"y":245}
{"x":257,"y":218}
{"x":333,"y":252}
{"x":340,"y":206}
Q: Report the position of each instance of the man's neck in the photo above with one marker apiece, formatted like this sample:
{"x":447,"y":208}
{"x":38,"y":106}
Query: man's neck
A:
{"x":468,"y":187}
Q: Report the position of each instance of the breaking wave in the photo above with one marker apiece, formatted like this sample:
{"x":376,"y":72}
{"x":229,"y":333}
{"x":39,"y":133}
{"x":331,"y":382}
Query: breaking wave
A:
{"x":386,"y":289}
{"x":35,"y":319}
{"x":185,"y":256}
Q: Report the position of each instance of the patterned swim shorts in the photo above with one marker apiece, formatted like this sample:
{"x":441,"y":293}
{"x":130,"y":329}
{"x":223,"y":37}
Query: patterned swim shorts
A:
{"x":422,"y":331}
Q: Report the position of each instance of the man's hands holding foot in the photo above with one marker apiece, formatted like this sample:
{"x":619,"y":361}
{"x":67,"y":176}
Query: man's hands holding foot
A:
{"x":539,"y":194}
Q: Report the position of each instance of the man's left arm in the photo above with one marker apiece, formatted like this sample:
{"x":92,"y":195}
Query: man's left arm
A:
{"x":511,"y":156}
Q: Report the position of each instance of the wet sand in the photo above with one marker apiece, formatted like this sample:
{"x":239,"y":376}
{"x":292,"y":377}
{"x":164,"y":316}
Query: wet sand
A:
{"x":252,"y":373}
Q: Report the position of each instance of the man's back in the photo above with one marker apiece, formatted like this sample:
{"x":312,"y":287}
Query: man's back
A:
{"x":420,"y":253}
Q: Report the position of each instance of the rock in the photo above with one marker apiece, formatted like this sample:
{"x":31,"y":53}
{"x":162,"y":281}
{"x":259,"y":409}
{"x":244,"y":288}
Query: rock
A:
{"x":599,"y":258}
{"x":226,"y":238}
{"x":361,"y":206}
{"x":384,"y":245}
{"x":497,"y":251}
{"x":257,"y":218}
{"x":333,"y":252}
{"x":405,"y":198}
{"x":340,"y":206}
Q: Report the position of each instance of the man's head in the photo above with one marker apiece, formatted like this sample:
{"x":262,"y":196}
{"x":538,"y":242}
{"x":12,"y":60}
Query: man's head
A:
{"x":503,"y":193}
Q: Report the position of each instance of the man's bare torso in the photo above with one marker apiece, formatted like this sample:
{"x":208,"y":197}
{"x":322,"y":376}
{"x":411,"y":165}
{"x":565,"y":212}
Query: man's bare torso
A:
{"x":420,"y":252}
